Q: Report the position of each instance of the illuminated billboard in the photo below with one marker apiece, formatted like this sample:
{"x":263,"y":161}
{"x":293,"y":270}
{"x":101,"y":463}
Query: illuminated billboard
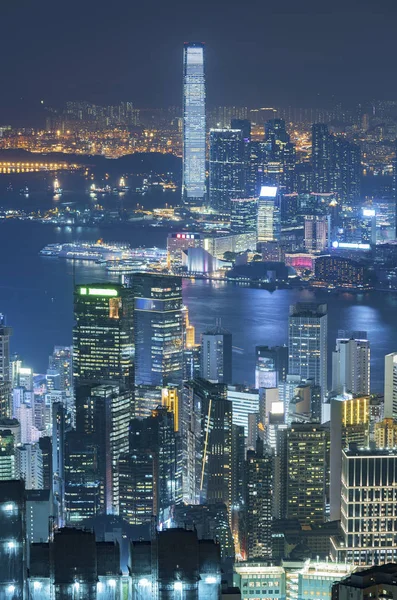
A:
{"x":268,"y":191}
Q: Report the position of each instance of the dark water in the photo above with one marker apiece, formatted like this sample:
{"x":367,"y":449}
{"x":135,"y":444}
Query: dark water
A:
{"x":36,"y":296}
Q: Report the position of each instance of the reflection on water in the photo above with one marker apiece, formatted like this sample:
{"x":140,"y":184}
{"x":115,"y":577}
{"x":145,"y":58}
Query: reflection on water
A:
{"x":36,"y":294}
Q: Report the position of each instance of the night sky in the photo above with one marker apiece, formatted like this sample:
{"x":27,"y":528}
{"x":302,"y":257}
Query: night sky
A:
{"x":258,"y":52}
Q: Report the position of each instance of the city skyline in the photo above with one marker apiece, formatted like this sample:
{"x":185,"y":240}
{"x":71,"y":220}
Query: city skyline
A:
{"x":284,"y":48}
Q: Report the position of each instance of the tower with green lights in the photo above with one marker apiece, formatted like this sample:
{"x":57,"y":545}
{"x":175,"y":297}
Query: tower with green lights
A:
{"x":103,"y":335}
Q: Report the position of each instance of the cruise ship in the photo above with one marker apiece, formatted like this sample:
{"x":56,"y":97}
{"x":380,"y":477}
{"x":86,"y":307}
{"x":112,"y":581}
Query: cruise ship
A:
{"x":107,"y":253}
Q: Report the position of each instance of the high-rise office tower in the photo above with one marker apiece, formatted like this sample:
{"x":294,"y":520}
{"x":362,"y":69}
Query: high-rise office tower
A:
{"x":102,"y":334}
{"x":82,"y":478}
{"x":349,"y":423}
{"x":156,"y":436}
{"x":268,"y":221}
{"x":271,"y":366}
{"x":5,"y":334}
{"x":158,"y":332}
{"x":307,"y":343}
{"x":351,"y":363}
{"x":192,"y":441}
{"x":368,"y":515}
{"x":322,"y":158}
{"x":111,"y":409}
{"x":5,"y":369}
{"x":243,"y":214}
{"x":7,"y":454}
{"x":227,"y":168}
{"x":137,"y":503}
{"x":238,"y":466}
{"x":245,"y":126}
{"x":347,"y":171}
{"x":29,"y":466}
{"x":217,"y":421}
{"x":216,"y":355}
{"x":259,"y":491}
{"x":390,"y":402}
{"x":257,"y":168}
{"x":307,"y":460}
{"x":58,"y":461}
{"x":61,"y":362}
{"x":317,"y":233}
{"x":194,"y":129}
{"x":280,"y":156}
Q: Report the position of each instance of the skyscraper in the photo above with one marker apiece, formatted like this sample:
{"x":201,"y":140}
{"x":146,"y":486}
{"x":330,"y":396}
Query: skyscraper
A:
{"x":349,"y":424}
{"x":322,"y":158}
{"x":243,"y":214}
{"x":216,"y":355}
{"x":368,"y":516}
{"x":194,"y":130}
{"x":307,"y":468}
{"x":102,"y":334}
{"x":227,"y":168}
{"x":5,"y":370}
{"x":390,"y":409}
{"x":271,"y":366}
{"x":307,"y":343}
{"x":259,"y":490}
{"x":268,"y":223}
{"x":351,"y":364}
{"x":158,"y":331}
{"x":317,"y":233}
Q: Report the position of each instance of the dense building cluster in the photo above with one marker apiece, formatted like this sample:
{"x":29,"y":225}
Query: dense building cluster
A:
{"x":137,"y":467}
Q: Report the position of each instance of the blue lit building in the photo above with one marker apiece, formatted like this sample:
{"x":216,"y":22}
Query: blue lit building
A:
{"x":158,"y":331}
{"x":193,"y":184}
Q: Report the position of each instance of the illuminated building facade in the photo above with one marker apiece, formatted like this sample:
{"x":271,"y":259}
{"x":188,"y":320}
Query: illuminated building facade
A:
{"x":245,"y":402}
{"x":386,"y":434}
{"x":102,"y":334}
{"x":351,"y":364}
{"x":292,"y":580}
{"x":390,"y":403}
{"x":268,"y":216}
{"x":349,"y":424}
{"x":317,"y":233}
{"x":307,"y":460}
{"x":156,"y":436}
{"x":176,"y":242}
{"x":368,"y":515}
{"x":137,"y":487}
{"x":227,"y":168}
{"x":271,"y":366}
{"x":194,"y":128}
{"x":259,"y":490}
{"x":339,"y":271}
{"x":307,"y":343}
{"x":216,"y":355}
{"x":158,"y":331}
{"x":243,"y":214}
{"x":5,"y":368}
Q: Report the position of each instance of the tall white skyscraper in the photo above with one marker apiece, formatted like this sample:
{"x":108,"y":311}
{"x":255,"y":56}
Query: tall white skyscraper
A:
{"x":308,"y":324}
{"x":193,"y":184}
{"x":390,"y":405}
{"x":351,"y":363}
{"x":268,"y":224}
